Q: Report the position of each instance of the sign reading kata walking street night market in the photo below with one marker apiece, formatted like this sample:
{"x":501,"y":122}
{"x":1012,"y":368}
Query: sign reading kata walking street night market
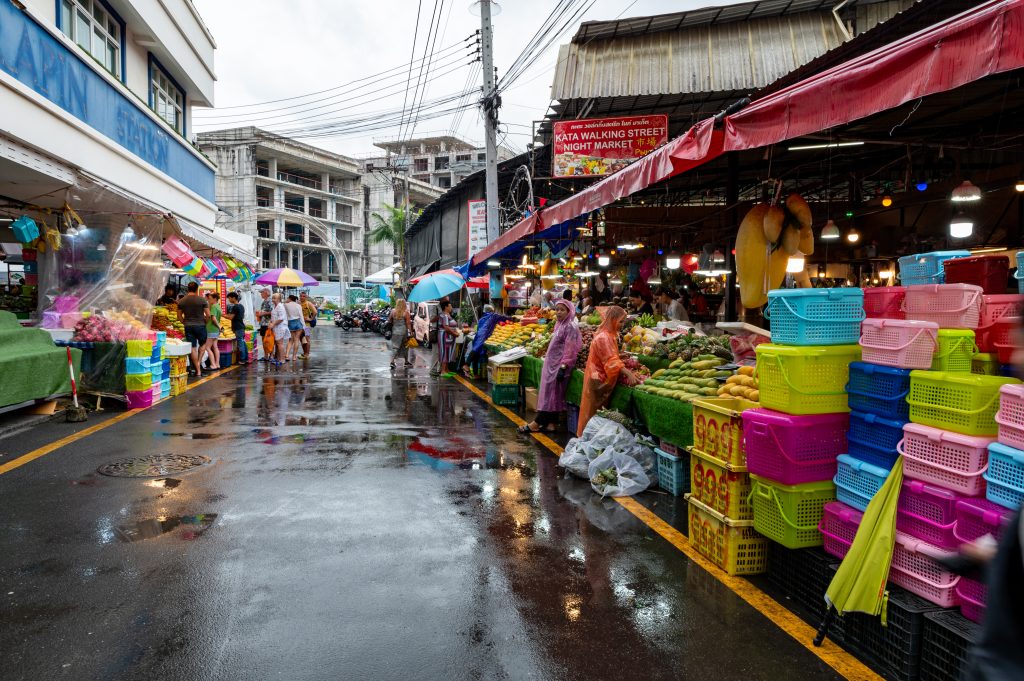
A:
{"x":600,"y":146}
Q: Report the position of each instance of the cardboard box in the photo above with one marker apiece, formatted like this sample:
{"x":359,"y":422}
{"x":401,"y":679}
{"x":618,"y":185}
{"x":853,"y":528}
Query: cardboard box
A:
{"x":531,"y":399}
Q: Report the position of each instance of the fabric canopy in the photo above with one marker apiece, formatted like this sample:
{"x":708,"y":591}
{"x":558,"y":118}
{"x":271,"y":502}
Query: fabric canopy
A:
{"x":231,"y":243}
{"x":980,"y":42}
{"x":384,"y":276}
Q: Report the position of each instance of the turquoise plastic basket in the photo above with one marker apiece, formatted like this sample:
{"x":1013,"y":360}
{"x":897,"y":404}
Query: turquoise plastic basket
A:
{"x":926,"y":268}
{"x":816,"y":316}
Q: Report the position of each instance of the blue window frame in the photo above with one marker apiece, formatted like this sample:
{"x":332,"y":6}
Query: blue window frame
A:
{"x":166,"y":97}
{"x":97,"y":29}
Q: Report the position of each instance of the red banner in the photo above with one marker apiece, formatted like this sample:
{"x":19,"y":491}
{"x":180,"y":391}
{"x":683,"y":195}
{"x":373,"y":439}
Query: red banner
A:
{"x":600,"y":146}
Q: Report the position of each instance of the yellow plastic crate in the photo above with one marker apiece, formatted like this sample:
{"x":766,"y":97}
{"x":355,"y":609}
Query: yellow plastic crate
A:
{"x":963,"y":403}
{"x":805,"y":380}
{"x":720,"y":486}
{"x":955,"y":350}
{"x":136,"y":382}
{"x":139,"y":348}
{"x":178,"y":384}
{"x":732,"y":545}
{"x":986,"y":363}
{"x":718,"y":428}
{"x":503,"y":374}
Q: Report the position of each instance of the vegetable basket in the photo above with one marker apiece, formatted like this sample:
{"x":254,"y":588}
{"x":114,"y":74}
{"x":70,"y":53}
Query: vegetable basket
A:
{"x":838,"y":527}
{"x":790,"y":514}
{"x":963,"y":403}
{"x":955,"y":351}
{"x":880,"y":390}
{"x":793,"y":449}
{"x":815,"y":316}
{"x":987,"y":271}
{"x":857,"y":482}
{"x":1005,"y":476}
{"x":884,"y":302}
{"x":805,"y":380}
{"x":873,"y":438}
{"x":928,"y":512}
{"x":915,"y":569}
{"x":1010,"y":416}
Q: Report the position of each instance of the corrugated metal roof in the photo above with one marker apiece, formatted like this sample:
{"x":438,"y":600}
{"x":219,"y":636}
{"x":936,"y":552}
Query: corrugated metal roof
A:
{"x":704,"y":58}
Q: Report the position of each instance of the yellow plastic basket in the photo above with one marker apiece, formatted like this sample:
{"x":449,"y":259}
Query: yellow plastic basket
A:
{"x":962,"y":403}
{"x":718,"y":428}
{"x":986,"y":363}
{"x":805,"y":380}
{"x":178,"y":384}
{"x":503,"y":374}
{"x":955,"y":351}
{"x":139,"y":348}
{"x":137,"y":382}
{"x":732,"y":545}
{"x":790,"y":514}
{"x":720,"y":486}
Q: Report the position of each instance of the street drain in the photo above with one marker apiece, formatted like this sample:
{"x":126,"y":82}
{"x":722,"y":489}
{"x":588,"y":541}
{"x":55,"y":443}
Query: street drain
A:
{"x":156,"y":465}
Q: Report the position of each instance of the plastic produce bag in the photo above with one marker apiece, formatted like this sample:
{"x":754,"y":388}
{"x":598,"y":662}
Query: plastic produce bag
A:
{"x":576,"y":457}
{"x":629,"y":476}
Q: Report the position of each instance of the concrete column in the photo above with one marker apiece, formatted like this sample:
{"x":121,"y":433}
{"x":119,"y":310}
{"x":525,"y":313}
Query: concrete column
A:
{"x":278,"y":196}
{"x":329,"y":209}
{"x":325,"y":181}
{"x":272,"y":167}
{"x":300,"y":257}
{"x":305,"y":205}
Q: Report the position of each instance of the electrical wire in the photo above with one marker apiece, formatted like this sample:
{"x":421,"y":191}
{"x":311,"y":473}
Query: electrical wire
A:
{"x":423,"y":78}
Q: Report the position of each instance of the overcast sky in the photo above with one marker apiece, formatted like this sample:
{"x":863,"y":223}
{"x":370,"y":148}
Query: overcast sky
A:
{"x":277,"y":49}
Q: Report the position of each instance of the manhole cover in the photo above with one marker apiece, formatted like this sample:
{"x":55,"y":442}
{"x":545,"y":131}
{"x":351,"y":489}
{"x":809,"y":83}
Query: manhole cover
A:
{"x":154,"y":466}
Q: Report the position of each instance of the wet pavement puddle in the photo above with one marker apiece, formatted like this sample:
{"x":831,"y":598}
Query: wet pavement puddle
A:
{"x":190,"y":436}
{"x":192,"y":527}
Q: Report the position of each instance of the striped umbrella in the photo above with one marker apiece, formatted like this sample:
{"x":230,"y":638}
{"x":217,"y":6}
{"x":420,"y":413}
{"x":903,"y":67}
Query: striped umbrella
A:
{"x":286,"y":276}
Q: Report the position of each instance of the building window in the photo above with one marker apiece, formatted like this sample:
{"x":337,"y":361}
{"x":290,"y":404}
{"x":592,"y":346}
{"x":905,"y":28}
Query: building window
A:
{"x":440,"y":163}
{"x":481,"y":157}
{"x":445,"y":182}
{"x":264,"y":229}
{"x":419,"y":165}
{"x":344,"y":238}
{"x":343,"y":212}
{"x":94,"y":29}
{"x":464,"y":157}
{"x":266,"y":258}
{"x":166,"y":98}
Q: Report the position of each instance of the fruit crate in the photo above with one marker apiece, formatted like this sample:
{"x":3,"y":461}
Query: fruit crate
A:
{"x":503,"y":374}
{"x":955,"y":351}
{"x":880,"y":390}
{"x":902,"y":343}
{"x":927,"y":268}
{"x":815,"y":316}
{"x":720,"y":485}
{"x":894,"y":650}
{"x":803,"y":576}
{"x":505,"y":395}
{"x":805,"y":380}
{"x":718,"y":428}
{"x":945,"y":643}
{"x":793,"y":449}
{"x":732,"y":545}
{"x":672,"y":473}
{"x":962,"y":403}
{"x":790,"y":514}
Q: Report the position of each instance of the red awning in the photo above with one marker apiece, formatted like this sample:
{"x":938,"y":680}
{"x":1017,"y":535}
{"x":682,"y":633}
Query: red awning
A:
{"x":983,"y":41}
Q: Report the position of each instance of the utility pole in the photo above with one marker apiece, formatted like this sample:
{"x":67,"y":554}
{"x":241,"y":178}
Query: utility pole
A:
{"x":491,"y":103}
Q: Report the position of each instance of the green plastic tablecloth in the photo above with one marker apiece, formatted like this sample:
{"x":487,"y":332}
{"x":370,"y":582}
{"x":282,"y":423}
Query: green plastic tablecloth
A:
{"x":574,"y":391}
{"x":31,"y":366}
{"x":622,"y":398}
{"x":653,"y":363}
{"x":664,"y":417}
{"x":103,"y":368}
{"x":529,"y":375}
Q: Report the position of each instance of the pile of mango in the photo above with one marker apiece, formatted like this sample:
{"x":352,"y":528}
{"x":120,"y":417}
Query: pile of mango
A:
{"x":685,"y":381}
{"x":511,"y":334}
{"x":743,"y":384}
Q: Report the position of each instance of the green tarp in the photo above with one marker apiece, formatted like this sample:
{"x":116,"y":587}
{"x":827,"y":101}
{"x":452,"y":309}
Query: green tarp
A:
{"x":31,"y":366}
{"x":622,"y":398}
{"x":664,"y":417}
{"x":529,"y":375}
{"x":653,"y":363}
{"x":574,"y":391}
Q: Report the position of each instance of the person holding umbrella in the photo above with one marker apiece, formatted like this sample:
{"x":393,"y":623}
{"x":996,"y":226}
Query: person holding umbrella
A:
{"x":564,"y":346}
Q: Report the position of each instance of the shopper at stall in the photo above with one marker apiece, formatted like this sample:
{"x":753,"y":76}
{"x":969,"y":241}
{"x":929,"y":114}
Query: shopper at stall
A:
{"x":641,"y":302}
{"x":236,"y":313}
{"x":279,"y":325}
{"x":588,"y":306}
{"x":564,"y":346}
{"x":601,"y":374}
{"x":263,"y":315}
{"x":600,"y":290}
{"x":295,"y":328}
{"x":193,"y":313}
{"x":309,"y":313}
{"x":672,"y":309}
{"x":209,"y":358}
{"x":400,"y":321}
{"x":170,"y":296}
{"x":447,"y":332}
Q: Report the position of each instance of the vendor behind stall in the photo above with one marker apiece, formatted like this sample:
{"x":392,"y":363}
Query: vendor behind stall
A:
{"x":603,"y":366}
{"x":170,"y":296}
{"x":641,"y":301}
{"x":672,"y":308}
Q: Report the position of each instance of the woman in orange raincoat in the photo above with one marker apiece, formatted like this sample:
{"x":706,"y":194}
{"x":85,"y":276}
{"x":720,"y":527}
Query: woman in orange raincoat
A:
{"x":603,"y":366}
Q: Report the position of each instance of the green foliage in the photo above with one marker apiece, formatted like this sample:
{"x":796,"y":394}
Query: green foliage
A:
{"x":388,"y":226}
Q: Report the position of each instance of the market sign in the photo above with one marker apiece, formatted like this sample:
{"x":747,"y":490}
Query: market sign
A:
{"x":600,"y":146}
{"x":476,"y":227}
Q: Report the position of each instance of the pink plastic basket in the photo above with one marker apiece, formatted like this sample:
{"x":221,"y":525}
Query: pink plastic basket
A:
{"x":139,"y":399}
{"x":1002,"y":338}
{"x":994,"y":308}
{"x":977,"y":517}
{"x":1010,"y":416}
{"x":915,"y":569}
{"x":793,"y":449}
{"x":951,"y":306}
{"x":928,"y":513}
{"x":944,"y":458}
{"x":838,"y":527}
{"x":884,"y":302}
{"x":972,"y":595}
{"x":898,"y":343}
{"x":65,"y":304}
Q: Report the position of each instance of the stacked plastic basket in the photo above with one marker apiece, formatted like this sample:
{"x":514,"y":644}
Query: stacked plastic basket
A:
{"x":139,"y":374}
{"x":177,"y":357}
{"x":720,"y":517}
{"x":794,"y":441}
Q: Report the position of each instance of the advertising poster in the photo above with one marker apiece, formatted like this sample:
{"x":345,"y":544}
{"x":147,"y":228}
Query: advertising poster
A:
{"x":600,"y":146}
{"x":477,"y":226}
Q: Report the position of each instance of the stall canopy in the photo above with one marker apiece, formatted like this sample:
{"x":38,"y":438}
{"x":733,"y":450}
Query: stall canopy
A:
{"x":384,"y":276}
{"x":234,"y":244}
{"x":980,"y":42}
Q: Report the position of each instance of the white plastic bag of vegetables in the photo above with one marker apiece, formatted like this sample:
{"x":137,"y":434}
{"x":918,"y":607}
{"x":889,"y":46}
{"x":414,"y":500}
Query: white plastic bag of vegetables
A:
{"x":614,"y":474}
{"x":599,"y":435}
{"x":577,"y":455}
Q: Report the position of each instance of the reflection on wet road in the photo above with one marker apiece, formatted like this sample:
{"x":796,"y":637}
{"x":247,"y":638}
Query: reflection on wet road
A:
{"x":350,"y":524}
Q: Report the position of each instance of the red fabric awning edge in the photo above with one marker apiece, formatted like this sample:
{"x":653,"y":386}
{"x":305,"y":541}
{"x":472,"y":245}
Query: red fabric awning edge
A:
{"x":980,"y":42}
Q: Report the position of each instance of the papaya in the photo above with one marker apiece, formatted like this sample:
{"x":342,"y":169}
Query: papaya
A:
{"x":790,"y":239}
{"x":776,"y":269}
{"x":806,"y":240}
{"x":800,"y":211}
{"x":751,"y":257}
{"x":773,"y":221}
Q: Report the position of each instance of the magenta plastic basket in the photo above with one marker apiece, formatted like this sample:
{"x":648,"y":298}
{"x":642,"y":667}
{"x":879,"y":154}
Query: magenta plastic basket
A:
{"x":994,"y":308}
{"x":884,"y":302}
{"x":1010,"y":416}
{"x":977,"y":517}
{"x":140,"y":399}
{"x":792,"y":449}
{"x":972,"y":594}
{"x":902,"y":343}
{"x":928,"y":513}
{"x":838,"y":527}
{"x":951,"y":306}
{"x":944,"y":458}
{"x":915,"y":569}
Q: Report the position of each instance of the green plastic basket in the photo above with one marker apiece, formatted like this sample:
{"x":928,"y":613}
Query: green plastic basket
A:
{"x":505,"y":395}
{"x":986,"y":363}
{"x":962,"y":403}
{"x":790,"y":514}
{"x":805,"y":380}
{"x":955,"y":351}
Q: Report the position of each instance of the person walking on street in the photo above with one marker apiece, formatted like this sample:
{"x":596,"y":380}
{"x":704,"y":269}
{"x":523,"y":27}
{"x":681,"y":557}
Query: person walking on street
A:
{"x":309,"y":313}
{"x":603,"y":366}
{"x":279,"y":326}
{"x":294,"y":313}
{"x":559,"y":362}
{"x":236,"y":313}
{"x":263,"y":315}
{"x":193,"y":313}
{"x":401,"y":322}
{"x":447,"y":332}
{"x":209,"y":357}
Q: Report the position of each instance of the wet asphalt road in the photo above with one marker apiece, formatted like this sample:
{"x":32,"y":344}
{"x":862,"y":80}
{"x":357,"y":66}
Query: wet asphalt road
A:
{"x":349,"y":525}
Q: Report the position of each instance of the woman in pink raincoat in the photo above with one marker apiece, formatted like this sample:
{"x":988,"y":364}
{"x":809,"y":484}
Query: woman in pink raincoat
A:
{"x":559,"y":362}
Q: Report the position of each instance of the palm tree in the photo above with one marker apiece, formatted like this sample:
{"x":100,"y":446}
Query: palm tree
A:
{"x":388,"y":227}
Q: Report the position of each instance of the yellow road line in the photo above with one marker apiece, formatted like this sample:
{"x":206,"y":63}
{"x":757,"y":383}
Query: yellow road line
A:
{"x":835,"y":657}
{"x":74,"y":437}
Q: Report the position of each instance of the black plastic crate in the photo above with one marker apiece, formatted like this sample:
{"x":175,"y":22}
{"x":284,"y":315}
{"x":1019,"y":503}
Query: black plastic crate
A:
{"x":948,"y":637}
{"x":802,"y":575}
{"x":894,"y":651}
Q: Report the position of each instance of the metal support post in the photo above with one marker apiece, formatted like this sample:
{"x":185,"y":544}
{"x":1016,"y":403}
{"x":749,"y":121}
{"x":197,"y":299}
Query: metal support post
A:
{"x":491,"y":102}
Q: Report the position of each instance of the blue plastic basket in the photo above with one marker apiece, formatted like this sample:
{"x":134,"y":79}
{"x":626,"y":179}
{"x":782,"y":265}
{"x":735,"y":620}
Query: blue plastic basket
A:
{"x":1019,"y":274}
{"x":1005,"y":476}
{"x":816,"y":316}
{"x":857,"y":481}
{"x":880,"y":390}
{"x":572,"y":418}
{"x":873,"y":438}
{"x":673,"y":473}
{"x":926,"y":268}
{"x":137,"y":365}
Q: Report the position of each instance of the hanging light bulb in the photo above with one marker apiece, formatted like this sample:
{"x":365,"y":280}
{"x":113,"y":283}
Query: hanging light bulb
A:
{"x":921,"y":186}
{"x":795,"y":263}
{"x":853,"y":236}
{"x":965,"y":192}
{"x":1019,"y":186}
{"x":961,"y":226}
{"x":829,"y":232}
{"x":673,"y":261}
{"x":72,"y":231}
{"x":603,"y":260}
{"x":718,"y":256}
{"x":886,"y":201}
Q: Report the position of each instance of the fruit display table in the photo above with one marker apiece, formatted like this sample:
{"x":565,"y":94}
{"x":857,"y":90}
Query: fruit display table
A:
{"x":530,"y":375}
{"x":665,"y":418}
{"x":32,"y":367}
